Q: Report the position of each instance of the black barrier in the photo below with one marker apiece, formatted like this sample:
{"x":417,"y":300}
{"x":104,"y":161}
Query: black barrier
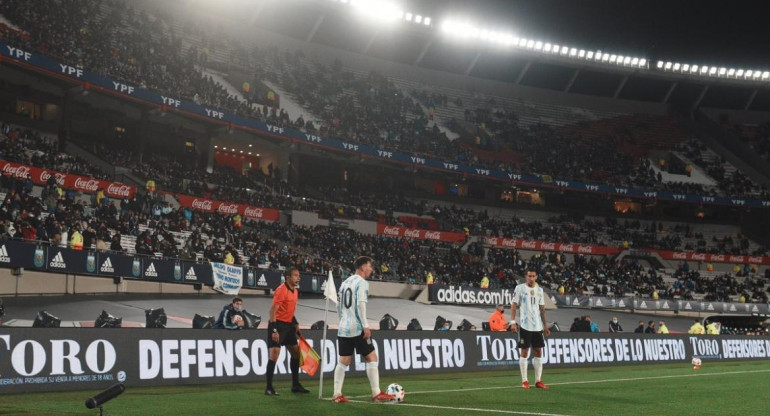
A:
{"x":15,"y":254}
{"x":87,"y":358}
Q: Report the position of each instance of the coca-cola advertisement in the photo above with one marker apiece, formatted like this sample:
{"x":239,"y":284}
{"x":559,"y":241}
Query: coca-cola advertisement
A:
{"x":549,"y":246}
{"x":228,"y":208}
{"x":84,"y":184}
{"x":605,"y":250}
{"x":420,"y":234}
{"x":711,"y":258}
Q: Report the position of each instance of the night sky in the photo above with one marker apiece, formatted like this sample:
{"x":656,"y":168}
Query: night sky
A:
{"x":731,"y":34}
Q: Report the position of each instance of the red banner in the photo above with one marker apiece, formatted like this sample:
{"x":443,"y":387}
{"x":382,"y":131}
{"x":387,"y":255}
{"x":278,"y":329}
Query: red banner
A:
{"x":547,"y":246}
{"x":84,"y":184}
{"x":228,"y":208}
{"x":396,"y":231}
{"x":501,"y":242}
{"x":712,"y":258}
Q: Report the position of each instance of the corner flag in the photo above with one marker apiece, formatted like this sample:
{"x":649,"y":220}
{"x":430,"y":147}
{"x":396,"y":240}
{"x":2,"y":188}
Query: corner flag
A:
{"x":310,"y":360}
{"x":330,"y":292}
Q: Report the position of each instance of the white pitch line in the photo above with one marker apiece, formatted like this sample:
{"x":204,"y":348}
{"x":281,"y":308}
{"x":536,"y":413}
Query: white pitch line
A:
{"x":581,"y":382}
{"x":467,"y":409}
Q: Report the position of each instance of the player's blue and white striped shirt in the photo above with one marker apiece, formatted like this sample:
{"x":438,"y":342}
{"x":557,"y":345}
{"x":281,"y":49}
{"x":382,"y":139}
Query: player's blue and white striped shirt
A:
{"x":528,"y":301}
{"x":353,"y":290}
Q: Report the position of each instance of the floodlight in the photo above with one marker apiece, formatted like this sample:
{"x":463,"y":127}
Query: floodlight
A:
{"x":660,"y":65}
{"x":712,"y":71}
{"x":677,"y":66}
{"x":426,"y":21}
{"x":731,"y":72}
{"x":581,"y":53}
{"x":739,"y":74}
{"x":686,"y":68}
{"x":667,"y":67}
{"x":509,"y":40}
{"x":635,"y":61}
{"x":564,"y":50}
{"x":619,"y":59}
{"x":694,"y":69}
{"x":704,"y":69}
{"x":598,"y":56}
{"x":642,"y":62}
{"x":530,"y":44}
{"x":555,"y":48}
{"x":590,"y":55}
{"x":522,"y":42}
{"x":749,"y":73}
{"x":547,"y":47}
{"x":484,"y":34}
{"x":573,"y":52}
{"x":626,"y":60}
{"x":474,"y":32}
{"x":605,"y":57}
{"x":722,"y":71}
{"x":765,"y":75}
{"x":756,"y":74}
{"x":538,"y":46}
{"x":418,"y":19}
{"x":409,"y":19}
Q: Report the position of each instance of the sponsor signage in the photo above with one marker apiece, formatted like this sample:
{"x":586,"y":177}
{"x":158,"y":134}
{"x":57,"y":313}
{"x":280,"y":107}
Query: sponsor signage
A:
{"x":516,"y":243}
{"x":64,"y":260}
{"x":60,"y":359}
{"x":713,"y":258}
{"x":420,"y":234}
{"x":84,"y":184}
{"x":459,"y":295}
{"x":94,"y":81}
{"x":599,"y":302}
{"x":228,"y":208}
{"x":587,"y":249}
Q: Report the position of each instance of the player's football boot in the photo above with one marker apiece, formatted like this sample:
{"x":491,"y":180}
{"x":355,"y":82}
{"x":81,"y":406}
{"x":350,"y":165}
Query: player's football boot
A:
{"x":525,"y":384}
{"x":340,"y":399}
{"x":383,"y":397}
{"x":541,"y":385}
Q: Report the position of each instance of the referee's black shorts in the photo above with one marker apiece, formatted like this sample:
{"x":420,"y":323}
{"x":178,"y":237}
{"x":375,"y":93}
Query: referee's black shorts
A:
{"x":286,"y":335}
{"x":534,"y":339}
{"x":363,"y":346}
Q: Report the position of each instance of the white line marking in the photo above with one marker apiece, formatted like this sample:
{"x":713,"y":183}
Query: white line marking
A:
{"x":471,"y":409}
{"x":595,"y":381}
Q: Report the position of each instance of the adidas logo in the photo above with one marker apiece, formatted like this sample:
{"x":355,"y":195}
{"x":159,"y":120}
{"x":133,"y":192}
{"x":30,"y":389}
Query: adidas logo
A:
{"x":58,"y":261}
{"x":190,"y":275}
{"x":262,"y":281}
{"x":150,"y":272}
{"x":107,"y":266}
{"x":4,"y":258}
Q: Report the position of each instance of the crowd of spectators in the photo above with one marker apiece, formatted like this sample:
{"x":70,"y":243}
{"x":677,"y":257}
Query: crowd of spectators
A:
{"x":259,"y":189}
{"x":115,"y":39}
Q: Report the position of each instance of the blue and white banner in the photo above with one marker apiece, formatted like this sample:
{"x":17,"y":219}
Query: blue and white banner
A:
{"x":228,"y":279}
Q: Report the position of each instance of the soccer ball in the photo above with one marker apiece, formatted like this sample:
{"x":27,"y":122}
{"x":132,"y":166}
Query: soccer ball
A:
{"x":396,"y":391}
{"x":696,"y":362}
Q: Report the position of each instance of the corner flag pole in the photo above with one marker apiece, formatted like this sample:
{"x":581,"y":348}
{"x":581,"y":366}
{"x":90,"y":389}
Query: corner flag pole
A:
{"x":330,"y":293}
